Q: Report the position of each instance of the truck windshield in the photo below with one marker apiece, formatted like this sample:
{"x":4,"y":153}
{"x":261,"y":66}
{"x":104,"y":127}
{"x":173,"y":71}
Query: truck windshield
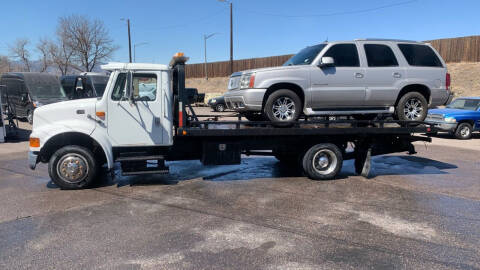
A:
{"x":44,"y":86}
{"x":464,"y":104}
{"x":305,"y":56}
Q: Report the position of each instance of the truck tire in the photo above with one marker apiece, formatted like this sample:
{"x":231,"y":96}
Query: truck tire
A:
{"x":412,"y":107}
{"x":73,"y":167}
{"x":220,"y":107}
{"x":464,"y":131}
{"x":322,"y":161}
{"x":283,"y":107}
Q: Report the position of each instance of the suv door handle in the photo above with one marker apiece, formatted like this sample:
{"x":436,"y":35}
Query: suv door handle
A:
{"x":358,"y":75}
{"x":397,"y":75}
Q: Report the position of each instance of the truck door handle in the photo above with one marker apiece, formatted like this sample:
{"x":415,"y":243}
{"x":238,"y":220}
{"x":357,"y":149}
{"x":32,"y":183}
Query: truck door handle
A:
{"x":358,"y":75}
{"x":397,"y":75}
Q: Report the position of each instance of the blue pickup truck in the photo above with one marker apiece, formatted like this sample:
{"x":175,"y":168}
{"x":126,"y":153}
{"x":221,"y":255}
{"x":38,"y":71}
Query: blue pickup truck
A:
{"x":461,"y":117}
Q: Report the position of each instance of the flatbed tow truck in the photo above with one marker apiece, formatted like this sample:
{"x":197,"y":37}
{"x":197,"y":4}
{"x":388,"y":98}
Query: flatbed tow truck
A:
{"x":76,"y":138}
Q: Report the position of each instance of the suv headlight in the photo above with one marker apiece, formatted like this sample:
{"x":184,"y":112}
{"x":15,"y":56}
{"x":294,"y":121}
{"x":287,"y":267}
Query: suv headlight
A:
{"x":450,"y":120}
{"x":247,"y":81}
{"x":36,"y":104}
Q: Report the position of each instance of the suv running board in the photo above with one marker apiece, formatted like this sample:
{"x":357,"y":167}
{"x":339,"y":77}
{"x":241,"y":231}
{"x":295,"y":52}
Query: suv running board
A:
{"x":310,"y":111}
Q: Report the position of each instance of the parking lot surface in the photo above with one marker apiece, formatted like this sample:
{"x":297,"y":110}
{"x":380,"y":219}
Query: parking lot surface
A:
{"x":417,"y":212}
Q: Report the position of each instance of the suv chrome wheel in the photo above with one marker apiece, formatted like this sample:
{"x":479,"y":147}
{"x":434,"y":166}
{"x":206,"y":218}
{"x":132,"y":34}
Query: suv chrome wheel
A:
{"x":283,"y":109}
{"x":413,"y":108}
{"x":72,"y":168}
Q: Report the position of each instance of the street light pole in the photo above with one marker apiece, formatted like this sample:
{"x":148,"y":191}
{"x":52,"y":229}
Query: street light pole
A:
{"x":205,"y":37}
{"x":135,"y":49}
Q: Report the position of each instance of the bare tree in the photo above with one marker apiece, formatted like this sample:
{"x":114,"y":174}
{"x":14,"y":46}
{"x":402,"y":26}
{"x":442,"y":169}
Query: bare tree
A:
{"x":43,"y":48}
{"x":20,"y":51}
{"x":88,"y":39}
{"x":60,"y":54}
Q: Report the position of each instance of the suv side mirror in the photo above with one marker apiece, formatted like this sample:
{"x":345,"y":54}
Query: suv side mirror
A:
{"x":327,"y":62}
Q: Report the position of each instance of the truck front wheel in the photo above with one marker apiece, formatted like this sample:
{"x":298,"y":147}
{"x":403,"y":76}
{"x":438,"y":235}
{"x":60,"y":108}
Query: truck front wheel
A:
{"x":73,"y":167}
{"x":322,"y":161}
{"x":463,"y":131}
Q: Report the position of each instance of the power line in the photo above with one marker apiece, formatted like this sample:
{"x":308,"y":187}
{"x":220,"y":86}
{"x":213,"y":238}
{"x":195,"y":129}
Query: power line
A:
{"x":335,"y":13}
{"x":193,"y":21}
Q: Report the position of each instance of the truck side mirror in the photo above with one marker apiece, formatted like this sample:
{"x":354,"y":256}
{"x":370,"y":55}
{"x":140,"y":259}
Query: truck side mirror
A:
{"x":327,"y":62}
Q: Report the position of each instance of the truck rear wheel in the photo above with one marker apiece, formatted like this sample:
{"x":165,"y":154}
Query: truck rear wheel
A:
{"x":73,"y":167}
{"x":283,"y":107}
{"x":322,"y":161}
{"x":412,"y":107}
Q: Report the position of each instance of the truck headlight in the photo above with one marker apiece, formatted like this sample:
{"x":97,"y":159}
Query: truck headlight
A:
{"x":247,"y":81}
{"x":450,"y":120}
{"x":36,"y":104}
{"x":213,"y":101}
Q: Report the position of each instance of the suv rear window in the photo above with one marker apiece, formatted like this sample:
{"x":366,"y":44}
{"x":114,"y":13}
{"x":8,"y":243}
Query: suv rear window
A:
{"x":344,"y":55}
{"x":379,"y":55}
{"x":420,"y":55}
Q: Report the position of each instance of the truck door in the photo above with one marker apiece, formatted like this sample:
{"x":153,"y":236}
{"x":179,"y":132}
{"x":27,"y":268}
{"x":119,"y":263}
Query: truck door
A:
{"x":137,"y":123}
{"x":341,"y":85}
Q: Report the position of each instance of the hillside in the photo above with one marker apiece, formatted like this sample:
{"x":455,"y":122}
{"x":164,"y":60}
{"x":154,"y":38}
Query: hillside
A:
{"x":465,"y":80}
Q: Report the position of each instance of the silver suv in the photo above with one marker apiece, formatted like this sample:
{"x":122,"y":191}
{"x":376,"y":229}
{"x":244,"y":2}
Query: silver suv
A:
{"x":361,"y":78}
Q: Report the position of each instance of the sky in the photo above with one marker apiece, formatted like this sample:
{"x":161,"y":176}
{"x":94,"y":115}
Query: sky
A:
{"x":261,"y":27}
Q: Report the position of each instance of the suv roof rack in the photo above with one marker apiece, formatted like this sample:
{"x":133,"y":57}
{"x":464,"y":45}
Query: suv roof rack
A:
{"x":386,"y":39}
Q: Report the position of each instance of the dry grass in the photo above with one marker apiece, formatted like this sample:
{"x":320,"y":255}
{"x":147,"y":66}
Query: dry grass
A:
{"x":465,"y":80}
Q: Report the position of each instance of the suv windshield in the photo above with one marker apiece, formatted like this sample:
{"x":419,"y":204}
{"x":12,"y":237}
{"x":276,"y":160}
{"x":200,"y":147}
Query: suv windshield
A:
{"x":464,"y":104}
{"x":305,"y":56}
{"x":100,"y":83}
{"x":44,"y":86}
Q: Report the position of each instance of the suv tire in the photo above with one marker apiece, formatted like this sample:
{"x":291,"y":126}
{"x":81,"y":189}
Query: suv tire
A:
{"x":411,"y":107}
{"x":464,"y":131}
{"x":72,"y":167}
{"x":283,"y":107}
{"x":220,"y":107}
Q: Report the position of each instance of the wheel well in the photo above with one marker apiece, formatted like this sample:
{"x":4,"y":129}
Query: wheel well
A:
{"x":422,"y":89}
{"x":72,"y":138}
{"x":290,"y":86}
{"x":471,"y":122}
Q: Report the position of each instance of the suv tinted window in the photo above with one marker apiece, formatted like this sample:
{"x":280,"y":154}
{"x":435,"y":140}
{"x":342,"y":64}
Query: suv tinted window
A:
{"x":420,"y":55}
{"x":379,"y":55}
{"x":345,"y":55}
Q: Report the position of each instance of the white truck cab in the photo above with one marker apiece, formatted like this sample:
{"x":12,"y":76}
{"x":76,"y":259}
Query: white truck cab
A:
{"x":122,"y":117}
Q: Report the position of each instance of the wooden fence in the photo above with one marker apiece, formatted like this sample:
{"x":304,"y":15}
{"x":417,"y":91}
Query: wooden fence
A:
{"x":463,"y":49}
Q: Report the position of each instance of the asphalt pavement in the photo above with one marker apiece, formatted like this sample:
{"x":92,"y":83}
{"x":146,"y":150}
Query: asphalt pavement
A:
{"x":415,"y":212}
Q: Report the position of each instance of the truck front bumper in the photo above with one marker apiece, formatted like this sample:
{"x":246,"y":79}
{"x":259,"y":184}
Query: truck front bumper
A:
{"x":32,"y":159}
{"x":443,"y":126}
{"x":245,"y":99}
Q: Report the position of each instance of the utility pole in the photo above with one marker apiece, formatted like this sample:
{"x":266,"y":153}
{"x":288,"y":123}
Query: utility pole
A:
{"x":129,"y":42}
{"x":205,"y":37}
{"x":129,"y":39}
{"x":231,"y":38}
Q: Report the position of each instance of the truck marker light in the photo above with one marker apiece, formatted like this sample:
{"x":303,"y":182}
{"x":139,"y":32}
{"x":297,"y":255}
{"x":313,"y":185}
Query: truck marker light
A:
{"x":179,"y":54}
{"x":184,"y":132}
{"x":180,"y":114}
{"x":34,"y":142}
{"x":100,"y":114}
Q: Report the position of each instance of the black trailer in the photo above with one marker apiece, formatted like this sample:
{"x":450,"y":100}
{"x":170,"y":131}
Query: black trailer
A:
{"x":317,"y":147}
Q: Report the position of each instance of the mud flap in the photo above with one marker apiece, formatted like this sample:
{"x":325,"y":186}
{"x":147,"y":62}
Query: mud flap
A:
{"x":363,"y":158}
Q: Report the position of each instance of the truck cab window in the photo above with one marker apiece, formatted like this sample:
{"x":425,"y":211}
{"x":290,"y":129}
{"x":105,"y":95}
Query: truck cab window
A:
{"x":145,"y":87}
